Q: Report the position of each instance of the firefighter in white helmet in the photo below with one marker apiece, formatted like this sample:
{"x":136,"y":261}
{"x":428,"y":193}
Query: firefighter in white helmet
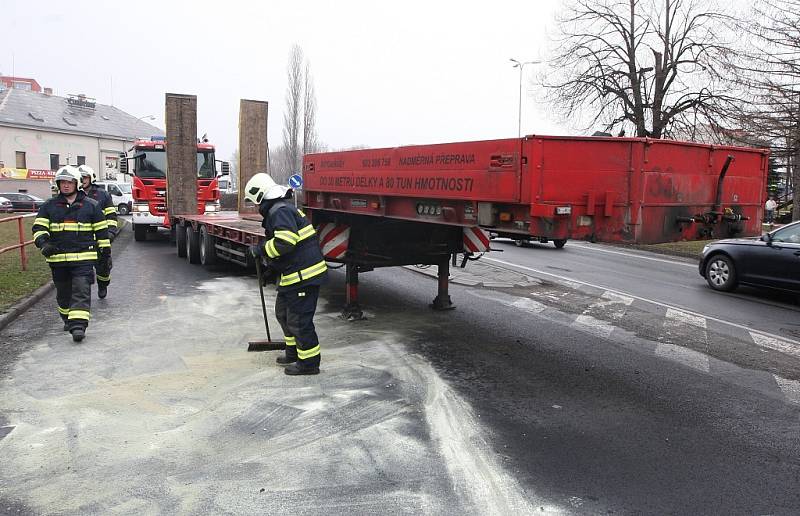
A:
{"x":103,"y":198}
{"x":292,"y":251}
{"x":71,"y":231}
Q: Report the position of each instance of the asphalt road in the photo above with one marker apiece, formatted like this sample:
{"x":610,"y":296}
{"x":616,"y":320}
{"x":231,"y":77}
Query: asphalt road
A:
{"x":538,"y":394}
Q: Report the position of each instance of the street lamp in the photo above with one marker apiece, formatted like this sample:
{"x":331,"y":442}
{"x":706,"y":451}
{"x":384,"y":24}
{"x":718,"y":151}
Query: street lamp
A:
{"x":149,"y":117}
{"x":520,"y":65}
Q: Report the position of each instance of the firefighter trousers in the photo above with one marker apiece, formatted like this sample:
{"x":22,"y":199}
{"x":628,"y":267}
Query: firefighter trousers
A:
{"x":295,"y":310}
{"x":74,"y":294}
{"x":103,"y":269}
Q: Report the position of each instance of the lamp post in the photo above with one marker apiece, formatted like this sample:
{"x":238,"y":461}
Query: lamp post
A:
{"x":520,"y":65}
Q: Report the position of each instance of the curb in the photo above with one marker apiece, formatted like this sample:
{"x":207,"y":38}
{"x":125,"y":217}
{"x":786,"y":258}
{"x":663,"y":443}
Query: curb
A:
{"x":20,"y":308}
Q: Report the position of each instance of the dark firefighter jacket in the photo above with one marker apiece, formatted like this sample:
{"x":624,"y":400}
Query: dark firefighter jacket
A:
{"x":103,"y":198}
{"x":77,"y":230}
{"x":292,"y":246}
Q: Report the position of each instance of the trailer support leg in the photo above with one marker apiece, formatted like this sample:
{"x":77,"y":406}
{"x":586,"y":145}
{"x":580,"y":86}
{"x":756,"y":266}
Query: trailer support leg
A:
{"x":442,"y":301}
{"x":352,"y":310}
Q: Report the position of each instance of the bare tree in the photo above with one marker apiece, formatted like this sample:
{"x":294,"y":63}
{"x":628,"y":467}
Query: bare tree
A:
{"x":309,"y":113}
{"x":651,"y":64}
{"x":768,"y":69}
{"x":292,"y":116}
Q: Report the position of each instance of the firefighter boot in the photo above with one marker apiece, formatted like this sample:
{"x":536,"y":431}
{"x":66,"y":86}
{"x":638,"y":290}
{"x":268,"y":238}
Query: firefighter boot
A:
{"x":289,"y":357}
{"x":102,"y":290}
{"x":297,"y":370}
{"x":78,"y":334}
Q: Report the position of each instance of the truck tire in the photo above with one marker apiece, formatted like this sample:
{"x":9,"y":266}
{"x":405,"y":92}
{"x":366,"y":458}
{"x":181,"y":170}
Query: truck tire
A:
{"x":180,"y":239}
{"x":192,"y":245}
{"x":559,"y":243}
{"x":208,"y":253}
{"x":140,"y":232}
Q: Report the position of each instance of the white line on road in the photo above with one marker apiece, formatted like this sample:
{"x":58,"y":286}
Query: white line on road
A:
{"x":766,"y":341}
{"x":790,"y":388}
{"x":634,"y":255}
{"x":790,"y":343}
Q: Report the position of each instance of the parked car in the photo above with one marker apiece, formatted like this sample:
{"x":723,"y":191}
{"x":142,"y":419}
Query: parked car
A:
{"x":772,"y":261}
{"x":120,"y":195}
{"x":5,"y":205}
{"x":23,"y":201}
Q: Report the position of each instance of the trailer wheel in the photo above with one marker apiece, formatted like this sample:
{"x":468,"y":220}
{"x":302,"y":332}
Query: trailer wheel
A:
{"x":140,"y":232}
{"x":559,"y":243}
{"x":180,"y":240}
{"x":208,"y":254}
{"x":192,"y":245}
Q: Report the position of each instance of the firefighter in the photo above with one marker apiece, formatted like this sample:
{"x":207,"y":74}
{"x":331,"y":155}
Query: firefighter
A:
{"x":294,"y":259}
{"x":70,"y":230}
{"x":103,"y":198}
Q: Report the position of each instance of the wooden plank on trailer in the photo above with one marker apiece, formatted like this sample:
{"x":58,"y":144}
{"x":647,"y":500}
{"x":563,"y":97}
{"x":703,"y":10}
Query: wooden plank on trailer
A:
{"x":181,"y":119}
{"x":253,"y":145}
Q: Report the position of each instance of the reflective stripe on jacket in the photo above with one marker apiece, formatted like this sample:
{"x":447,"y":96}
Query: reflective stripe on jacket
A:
{"x":293,"y":248}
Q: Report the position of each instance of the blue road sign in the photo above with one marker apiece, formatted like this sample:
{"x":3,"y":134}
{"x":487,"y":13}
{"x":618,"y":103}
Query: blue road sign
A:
{"x":296,"y":181}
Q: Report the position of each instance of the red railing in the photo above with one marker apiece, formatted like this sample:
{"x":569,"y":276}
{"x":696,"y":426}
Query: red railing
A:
{"x":22,"y":242}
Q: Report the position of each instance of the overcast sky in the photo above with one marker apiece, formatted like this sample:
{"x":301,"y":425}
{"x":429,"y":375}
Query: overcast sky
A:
{"x":385,"y":73}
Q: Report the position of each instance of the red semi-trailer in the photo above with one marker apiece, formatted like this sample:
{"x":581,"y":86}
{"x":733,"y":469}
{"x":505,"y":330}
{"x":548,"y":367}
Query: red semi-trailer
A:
{"x":550,"y":187}
{"x":437,"y":204}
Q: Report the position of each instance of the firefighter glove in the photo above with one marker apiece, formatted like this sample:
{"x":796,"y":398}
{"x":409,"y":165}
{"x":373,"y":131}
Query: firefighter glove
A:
{"x":256,"y":250}
{"x":105,"y":252}
{"x":269,"y":276}
{"x":49,"y":250}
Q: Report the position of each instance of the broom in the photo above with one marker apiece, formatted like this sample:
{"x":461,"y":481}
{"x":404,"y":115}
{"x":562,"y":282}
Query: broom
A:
{"x":269,"y":344}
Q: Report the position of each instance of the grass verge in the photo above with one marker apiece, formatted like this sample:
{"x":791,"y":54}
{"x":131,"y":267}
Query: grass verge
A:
{"x":15,"y":283}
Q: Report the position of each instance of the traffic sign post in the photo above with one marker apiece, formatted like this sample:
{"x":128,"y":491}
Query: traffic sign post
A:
{"x":296,"y":182}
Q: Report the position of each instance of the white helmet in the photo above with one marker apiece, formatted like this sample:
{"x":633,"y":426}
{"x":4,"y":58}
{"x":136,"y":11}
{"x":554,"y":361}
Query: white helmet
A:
{"x":68,"y":173}
{"x":261,"y":186}
{"x":86,"y":170}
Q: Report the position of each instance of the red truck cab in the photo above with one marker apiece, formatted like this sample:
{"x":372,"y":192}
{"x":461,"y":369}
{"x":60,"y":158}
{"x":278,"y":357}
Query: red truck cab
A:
{"x":148,"y":165}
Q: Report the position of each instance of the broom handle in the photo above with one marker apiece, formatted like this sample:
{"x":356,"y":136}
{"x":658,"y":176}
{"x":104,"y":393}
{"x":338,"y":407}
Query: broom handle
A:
{"x":261,"y":292}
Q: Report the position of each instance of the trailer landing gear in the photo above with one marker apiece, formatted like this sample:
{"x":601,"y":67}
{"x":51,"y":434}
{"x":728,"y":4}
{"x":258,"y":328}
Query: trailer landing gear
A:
{"x":442,"y":301}
{"x":352,"y":310}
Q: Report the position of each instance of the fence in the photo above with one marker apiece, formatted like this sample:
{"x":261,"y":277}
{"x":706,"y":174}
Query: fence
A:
{"x":21,"y":242}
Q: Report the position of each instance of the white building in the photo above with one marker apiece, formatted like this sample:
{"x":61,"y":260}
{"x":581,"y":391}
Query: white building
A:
{"x":41,"y":132}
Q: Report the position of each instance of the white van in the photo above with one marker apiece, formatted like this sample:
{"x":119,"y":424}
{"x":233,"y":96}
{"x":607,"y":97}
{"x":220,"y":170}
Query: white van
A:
{"x":120,"y":195}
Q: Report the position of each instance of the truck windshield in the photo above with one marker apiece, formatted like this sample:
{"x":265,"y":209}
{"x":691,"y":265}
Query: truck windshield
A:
{"x":152,"y":164}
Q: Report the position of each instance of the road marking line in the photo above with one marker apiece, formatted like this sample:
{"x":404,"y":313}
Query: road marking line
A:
{"x":685,"y":317}
{"x":657,"y":303}
{"x":529,"y":305}
{"x":591,"y":325}
{"x":633,"y":255}
{"x":685,"y":356}
{"x":766,"y":341}
{"x":789,"y":388}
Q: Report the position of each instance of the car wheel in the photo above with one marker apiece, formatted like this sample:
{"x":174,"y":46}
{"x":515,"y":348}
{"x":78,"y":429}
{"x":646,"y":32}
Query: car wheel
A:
{"x":721,"y":273}
{"x":123,"y":209}
{"x":559,"y":243}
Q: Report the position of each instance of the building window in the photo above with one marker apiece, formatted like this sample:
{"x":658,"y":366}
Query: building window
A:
{"x":81,"y":160}
{"x":54,"y":162}
{"x":21,"y":163}
{"x":18,"y":85}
